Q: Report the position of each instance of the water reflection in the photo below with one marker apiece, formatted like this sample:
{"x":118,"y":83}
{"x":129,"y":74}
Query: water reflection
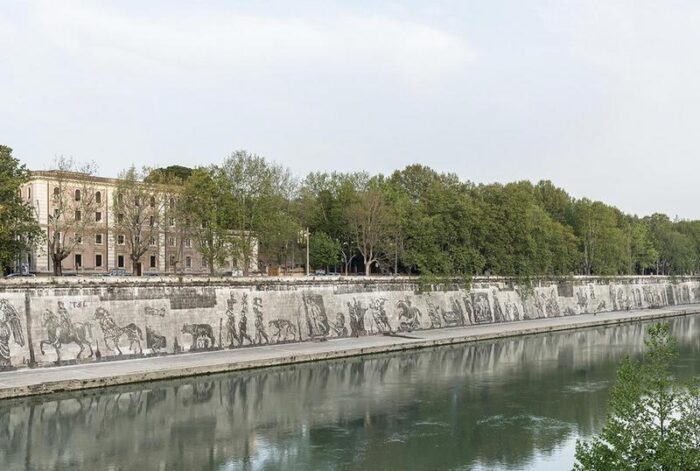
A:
{"x":499,"y":404}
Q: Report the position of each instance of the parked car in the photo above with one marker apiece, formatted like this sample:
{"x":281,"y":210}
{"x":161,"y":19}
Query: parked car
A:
{"x":118,"y":272}
{"x":21,"y":275}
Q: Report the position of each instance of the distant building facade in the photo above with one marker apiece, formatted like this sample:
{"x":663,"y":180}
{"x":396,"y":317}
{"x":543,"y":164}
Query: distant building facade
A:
{"x":104,"y":249}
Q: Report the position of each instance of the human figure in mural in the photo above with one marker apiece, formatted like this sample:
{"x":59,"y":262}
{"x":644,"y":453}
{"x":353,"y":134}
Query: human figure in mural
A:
{"x":202,"y":335}
{"x":339,"y":325}
{"x":409,"y":315}
{"x":64,"y":316}
{"x":454,"y":317}
{"x":316,"y":318}
{"x":283,"y":326}
{"x":379,"y":314}
{"x":61,"y":331}
{"x":243,"y":323}
{"x":481,"y":308}
{"x":231,"y":333}
{"x":434,"y":315}
{"x":10,"y":327}
{"x":357,"y":318}
{"x":112,"y":332}
{"x":260,"y":333}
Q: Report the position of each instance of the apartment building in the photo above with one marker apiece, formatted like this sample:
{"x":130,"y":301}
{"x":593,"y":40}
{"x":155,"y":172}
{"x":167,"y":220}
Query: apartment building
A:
{"x":101,"y":249}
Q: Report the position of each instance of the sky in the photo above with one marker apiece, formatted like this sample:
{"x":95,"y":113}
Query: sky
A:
{"x":601,"y":97}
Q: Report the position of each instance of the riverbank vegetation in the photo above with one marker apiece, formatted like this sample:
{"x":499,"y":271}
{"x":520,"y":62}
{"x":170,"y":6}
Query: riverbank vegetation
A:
{"x":653,"y":419}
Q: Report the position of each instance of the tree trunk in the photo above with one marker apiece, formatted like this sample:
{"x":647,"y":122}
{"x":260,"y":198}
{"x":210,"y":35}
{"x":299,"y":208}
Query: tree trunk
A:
{"x":57,"y":267}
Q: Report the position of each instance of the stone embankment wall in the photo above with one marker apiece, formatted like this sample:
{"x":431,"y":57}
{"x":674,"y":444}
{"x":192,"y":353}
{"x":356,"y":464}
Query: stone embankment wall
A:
{"x":44,"y":322}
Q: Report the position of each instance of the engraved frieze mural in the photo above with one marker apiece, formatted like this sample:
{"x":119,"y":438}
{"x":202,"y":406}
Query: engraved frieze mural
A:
{"x":54,"y":324}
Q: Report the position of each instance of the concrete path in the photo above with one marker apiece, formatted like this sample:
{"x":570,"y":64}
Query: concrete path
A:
{"x":27,"y":382}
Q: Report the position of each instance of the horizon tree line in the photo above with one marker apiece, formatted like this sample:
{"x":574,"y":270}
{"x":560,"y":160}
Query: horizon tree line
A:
{"x":414,"y":221}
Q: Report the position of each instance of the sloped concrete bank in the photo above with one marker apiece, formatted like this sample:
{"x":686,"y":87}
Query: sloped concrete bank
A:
{"x":29,"y":382}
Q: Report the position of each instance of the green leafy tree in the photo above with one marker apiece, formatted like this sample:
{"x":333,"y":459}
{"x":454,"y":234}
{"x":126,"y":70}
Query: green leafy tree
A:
{"x":324,"y":250}
{"x":652,"y":422}
{"x":19,"y":230}
{"x":203,"y":206}
{"x":259,"y":192}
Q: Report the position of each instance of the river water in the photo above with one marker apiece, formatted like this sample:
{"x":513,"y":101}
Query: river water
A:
{"x":517,"y":403}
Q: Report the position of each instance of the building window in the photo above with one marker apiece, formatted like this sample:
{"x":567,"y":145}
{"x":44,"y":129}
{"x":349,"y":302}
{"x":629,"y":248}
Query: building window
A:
{"x":77,"y":195}
{"x":172,"y":203}
{"x":55,"y":213}
{"x":29,"y":193}
{"x":78,"y":215}
{"x":172,"y":261}
{"x":56,"y":192}
{"x":136,"y":200}
{"x":153,"y":201}
{"x":98,"y":216}
{"x":120,"y":218}
{"x":153,"y":241}
{"x":171,"y":241}
{"x":78,"y":239}
{"x":153,"y":261}
{"x":172,"y":222}
{"x":98,"y":197}
{"x":120,"y":239}
{"x":205,"y":264}
{"x":152,"y":221}
{"x":188,"y":262}
{"x":98,"y":260}
{"x":98,"y":239}
{"x":120,"y":261}
{"x":78,"y":260}
{"x":188,"y":242}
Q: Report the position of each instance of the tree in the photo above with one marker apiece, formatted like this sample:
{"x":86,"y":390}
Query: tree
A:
{"x":140,"y":209}
{"x":324,"y":250}
{"x":73,"y":203}
{"x":19,"y":230}
{"x":370,"y":225}
{"x":259,"y":193}
{"x":204,"y":205}
{"x":603,"y":241}
{"x":653,"y":418}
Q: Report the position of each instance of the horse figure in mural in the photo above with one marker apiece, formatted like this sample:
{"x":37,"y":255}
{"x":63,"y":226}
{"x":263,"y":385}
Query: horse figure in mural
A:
{"x":61,"y":333}
{"x":113,"y":332}
{"x":10,"y":326}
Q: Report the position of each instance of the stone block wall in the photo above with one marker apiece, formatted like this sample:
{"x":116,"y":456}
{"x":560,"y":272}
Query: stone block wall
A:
{"x":46,"y":323}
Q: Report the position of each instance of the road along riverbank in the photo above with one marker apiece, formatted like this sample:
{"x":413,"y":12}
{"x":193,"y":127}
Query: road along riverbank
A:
{"x":28,"y":382}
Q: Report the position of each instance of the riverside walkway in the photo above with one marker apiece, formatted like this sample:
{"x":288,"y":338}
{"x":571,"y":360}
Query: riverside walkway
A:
{"x":28,"y":382}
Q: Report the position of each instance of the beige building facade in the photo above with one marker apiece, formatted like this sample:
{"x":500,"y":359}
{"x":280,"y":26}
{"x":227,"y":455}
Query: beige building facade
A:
{"x":102,"y":249}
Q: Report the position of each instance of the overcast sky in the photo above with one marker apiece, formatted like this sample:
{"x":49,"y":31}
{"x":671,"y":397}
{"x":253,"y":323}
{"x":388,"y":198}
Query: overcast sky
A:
{"x":601,"y":97}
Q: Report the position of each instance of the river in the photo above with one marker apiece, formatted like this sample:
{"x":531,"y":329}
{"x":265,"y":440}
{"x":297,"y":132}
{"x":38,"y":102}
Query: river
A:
{"x":516,"y":403}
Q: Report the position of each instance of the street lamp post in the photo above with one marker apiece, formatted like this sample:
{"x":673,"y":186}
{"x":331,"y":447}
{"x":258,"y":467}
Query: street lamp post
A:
{"x":304,"y":236}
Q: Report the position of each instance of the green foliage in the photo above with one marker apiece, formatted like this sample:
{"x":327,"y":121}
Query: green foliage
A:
{"x":170,"y":174}
{"x":653,"y":420}
{"x":19,"y":231}
{"x":324,"y":250}
{"x":203,"y":206}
